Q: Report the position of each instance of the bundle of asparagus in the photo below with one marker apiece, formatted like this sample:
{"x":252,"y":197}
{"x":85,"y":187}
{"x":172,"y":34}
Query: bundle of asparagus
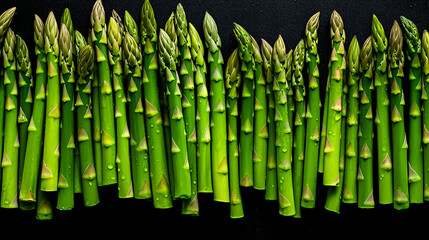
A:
{"x":162,"y":117}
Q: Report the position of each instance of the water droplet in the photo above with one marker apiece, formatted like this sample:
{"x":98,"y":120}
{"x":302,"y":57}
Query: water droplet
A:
{"x":110,"y":166}
{"x":151,"y":125}
{"x":284,"y":149}
{"x":123,"y":177}
{"x":145,"y":169}
{"x":384,"y":148}
{"x":157,"y":131}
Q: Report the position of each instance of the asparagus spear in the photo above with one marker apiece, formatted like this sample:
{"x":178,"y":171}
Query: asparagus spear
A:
{"x":51,"y":146}
{"x":30,"y":172}
{"x":154,"y":123}
{"x":65,"y":199}
{"x":5,"y":19}
{"x":271,"y":177}
{"x":114,"y":44}
{"x":425,"y":105}
{"x":167,"y":58}
{"x":203,"y":113}
{"x":382,"y":115}
{"x":233,"y":81}
{"x":351,"y":161}
{"x":331,"y":175}
{"x":218,"y":110}
{"x":283,"y":129}
{"x":25,"y":80}
{"x":247,"y":105}
{"x":312,"y":115}
{"x":415,"y":162}
{"x":9,"y":164}
{"x":139,"y":154}
{"x":187,"y":84}
{"x":260,"y":147}
{"x":365,"y":162}
{"x":299,"y":123}
{"x":108,"y":134}
{"x":85,"y":63}
{"x":399,"y":135}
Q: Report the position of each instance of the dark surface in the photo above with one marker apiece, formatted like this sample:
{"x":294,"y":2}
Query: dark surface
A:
{"x":263,"y":19}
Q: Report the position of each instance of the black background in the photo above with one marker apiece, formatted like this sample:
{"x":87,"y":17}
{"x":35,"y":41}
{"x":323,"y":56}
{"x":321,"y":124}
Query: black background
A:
{"x":262,"y":19}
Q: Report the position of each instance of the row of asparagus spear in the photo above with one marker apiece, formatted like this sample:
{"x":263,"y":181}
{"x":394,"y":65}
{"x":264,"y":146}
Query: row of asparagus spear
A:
{"x":160,"y":114}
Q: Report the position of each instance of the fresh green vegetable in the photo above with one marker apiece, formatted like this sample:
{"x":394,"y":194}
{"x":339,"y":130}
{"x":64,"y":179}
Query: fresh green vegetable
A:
{"x":331,"y":174}
{"x":168,"y":58}
{"x":153,"y":112}
{"x":350,"y":193}
{"x":204,"y":172}
{"x":382,"y":115}
{"x":271,"y":176}
{"x":85,"y":65}
{"x":65,"y":199}
{"x":399,"y":134}
{"x":33,"y":153}
{"x":233,"y":81}
{"x":114,"y":43}
{"x":218,"y":110}
{"x":9,"y":163}
{"x":425,"y":105}
{"x":366,"y":134}
{"x":312,"y":115}
{"x":299,"y":123}
{"x":51,"y":145}
{"x":247,"y":58}
{"x":107,"y":112}
{"x":415,"y":160}
{"x":283,"y":129}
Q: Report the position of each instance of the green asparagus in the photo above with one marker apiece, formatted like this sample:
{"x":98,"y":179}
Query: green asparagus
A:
{"x":246,"y":54}
{"x":9,"y":163}
{"x":107,"y":113}
{"x":51,"y":146}
{"x":233,"y":81}
{"x":154,"y":123}
{"x":218,"y":110}
{"x":312,"y":114}
{"x":365,"y":162}
{"x":415,"y":161}
{"x":351,"y":158}
{"x":399,"y":135}
{"x":382,"y":115}
{"x":425,"y":105}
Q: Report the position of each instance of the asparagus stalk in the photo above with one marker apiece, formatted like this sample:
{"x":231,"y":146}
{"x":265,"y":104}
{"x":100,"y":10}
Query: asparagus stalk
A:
{"x":139,"y":151}
{"x":33,"y":152}
{"x":283,"y":129}
{"x":365,"y":170}
{"x":382,"y":115}
{"x":51,"y":146}
{"x":247,"y":58}
{"x":218,"y":110}
{"x":233,"y":81}
{"x":168,"y":58}
{"x":334,"y":193}
{"x":25,"y":81}
{"x":351,"y":160}
{"x":9,"y":164}
{"x":260,"y":147}
{"x":299,"y":123}
{"x":415,"y":161}
{"x":271,"y":177}
{"x":312,"y":115}
{"x":331,"y":174}
{"x":154,"y":123}
{"x":85,"y":62}
{"x":425,"y":105}
{"x":114,"y":43}
{"x":399,"y":135}
{"x":65,"y":199}
{"x":108,"y":134}
{"x":187,"y":84}
{"x":203,"y":114}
